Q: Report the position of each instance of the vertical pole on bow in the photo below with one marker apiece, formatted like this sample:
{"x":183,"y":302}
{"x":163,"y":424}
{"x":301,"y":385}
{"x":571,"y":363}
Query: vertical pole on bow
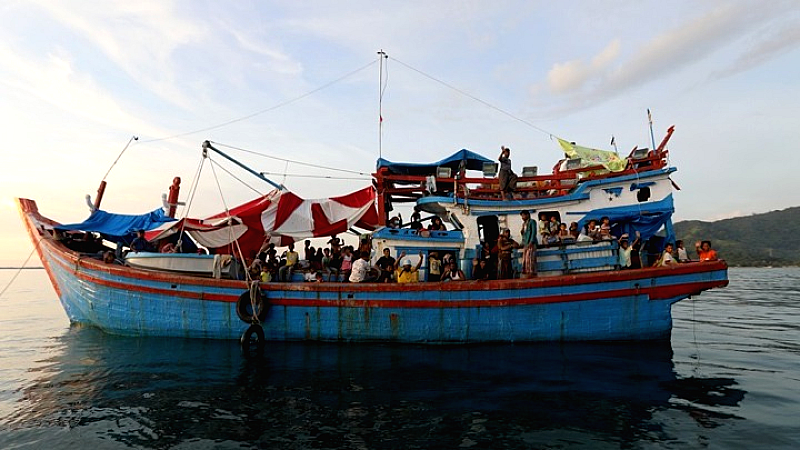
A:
{"x":381,"y":56}
{"x":652,"y":137}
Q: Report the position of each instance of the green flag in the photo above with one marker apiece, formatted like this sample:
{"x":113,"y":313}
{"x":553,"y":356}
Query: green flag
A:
{"x":607,"y":159}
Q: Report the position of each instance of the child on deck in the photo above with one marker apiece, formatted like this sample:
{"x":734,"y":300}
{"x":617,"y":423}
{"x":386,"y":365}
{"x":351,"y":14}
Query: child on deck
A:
{"x":347,"y":263}
{"x":564,"y":234}
{"x":705,"y":252}
{"x":666,"y":258}
{"x":605,"y":229}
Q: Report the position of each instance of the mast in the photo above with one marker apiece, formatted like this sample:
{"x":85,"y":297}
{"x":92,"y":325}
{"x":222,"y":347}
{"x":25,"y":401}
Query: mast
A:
{"x":381,"y":56}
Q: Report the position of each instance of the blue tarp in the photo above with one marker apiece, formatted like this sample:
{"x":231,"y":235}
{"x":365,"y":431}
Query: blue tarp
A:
{"x":119,"y":227}
{"x":472,"y":161}
{"x":646,"y":219}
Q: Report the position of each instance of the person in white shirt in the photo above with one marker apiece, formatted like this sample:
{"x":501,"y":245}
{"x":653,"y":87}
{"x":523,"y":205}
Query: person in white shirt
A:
{"x":625,"y":250}
{"x":361,"y":270}
{"x":666,"y":257}
{"x":683,"y":256}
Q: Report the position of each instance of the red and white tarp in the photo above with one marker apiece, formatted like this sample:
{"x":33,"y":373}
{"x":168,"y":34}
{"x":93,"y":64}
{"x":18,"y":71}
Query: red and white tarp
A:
{"x":279,"y":217}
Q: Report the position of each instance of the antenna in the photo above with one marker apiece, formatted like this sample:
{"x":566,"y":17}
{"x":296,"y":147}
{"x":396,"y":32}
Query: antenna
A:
{"x":381,"y":56}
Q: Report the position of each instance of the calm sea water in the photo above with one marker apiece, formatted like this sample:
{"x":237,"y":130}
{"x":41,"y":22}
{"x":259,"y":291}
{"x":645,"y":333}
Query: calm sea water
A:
{"x":729,"y":378}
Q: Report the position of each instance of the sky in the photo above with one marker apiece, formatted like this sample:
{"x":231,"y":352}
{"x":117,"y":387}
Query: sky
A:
{"x":300,"y":81}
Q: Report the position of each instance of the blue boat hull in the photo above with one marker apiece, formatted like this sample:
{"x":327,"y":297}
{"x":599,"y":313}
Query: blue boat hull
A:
{"x":615,"y":305}
{"x":426,"y":312}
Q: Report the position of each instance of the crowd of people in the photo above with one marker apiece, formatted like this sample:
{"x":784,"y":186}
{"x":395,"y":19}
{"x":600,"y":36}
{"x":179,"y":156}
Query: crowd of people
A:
{"x":677,"y":254}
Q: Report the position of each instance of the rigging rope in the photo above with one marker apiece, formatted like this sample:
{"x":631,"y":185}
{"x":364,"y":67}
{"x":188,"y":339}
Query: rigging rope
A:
{"x":230,"y":228}
{"x":20,"y":268}
{"x":133,"y":138}
{"x":485,"y":103}
{"x":296,"y":175}
{"x":271,"y":108}
{"x":290,"y":160}
{"x":261,"y":194}
{"x":192,"y":191}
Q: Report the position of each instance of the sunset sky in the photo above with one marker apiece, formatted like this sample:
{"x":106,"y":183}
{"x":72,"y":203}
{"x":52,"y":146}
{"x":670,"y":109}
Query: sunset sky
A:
{"x":79,"y":78}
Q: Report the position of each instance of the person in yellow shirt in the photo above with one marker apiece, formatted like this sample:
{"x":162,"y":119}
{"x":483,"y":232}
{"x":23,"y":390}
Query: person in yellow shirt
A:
{"x":405,"y":273}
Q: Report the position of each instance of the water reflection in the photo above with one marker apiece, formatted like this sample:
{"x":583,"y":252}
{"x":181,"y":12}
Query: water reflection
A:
{"x":159,"y":393}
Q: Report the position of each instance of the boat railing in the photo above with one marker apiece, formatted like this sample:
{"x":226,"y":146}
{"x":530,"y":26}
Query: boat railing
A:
{"x":409,"y":188}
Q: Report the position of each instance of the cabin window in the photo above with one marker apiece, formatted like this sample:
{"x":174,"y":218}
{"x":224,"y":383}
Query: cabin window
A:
{"x":643,"y":194}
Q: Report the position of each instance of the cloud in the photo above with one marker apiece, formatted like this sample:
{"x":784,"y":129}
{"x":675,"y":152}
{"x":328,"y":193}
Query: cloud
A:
{"x":54,"y":81}
{"x":572,"y":75}
{"x":280,"y":62}
{"x":580,"y":83}
{"x":773,"y":44}
{"x":139,"y":37}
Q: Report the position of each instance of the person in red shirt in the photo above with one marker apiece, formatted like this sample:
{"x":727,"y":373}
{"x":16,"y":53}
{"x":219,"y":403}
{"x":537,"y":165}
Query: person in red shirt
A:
{"x":705,"y":252}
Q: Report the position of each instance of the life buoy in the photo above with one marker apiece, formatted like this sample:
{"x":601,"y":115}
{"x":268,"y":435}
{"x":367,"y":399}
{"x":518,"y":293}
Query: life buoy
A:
{"x":244,"y":307}
{"x":253,"y":337}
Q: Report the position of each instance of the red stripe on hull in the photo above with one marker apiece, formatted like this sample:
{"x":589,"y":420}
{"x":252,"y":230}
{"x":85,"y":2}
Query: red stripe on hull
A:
{"x":659,"y":293}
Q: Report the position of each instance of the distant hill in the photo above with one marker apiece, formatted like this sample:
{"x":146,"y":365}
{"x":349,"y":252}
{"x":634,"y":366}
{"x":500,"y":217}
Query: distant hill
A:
{"x":769,"y":239}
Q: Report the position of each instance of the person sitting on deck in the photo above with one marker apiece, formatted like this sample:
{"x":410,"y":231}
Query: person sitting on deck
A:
{"x":327,"y":264}
{"x":292,"y":258}
{"x":385,"y":264}
{"x":573,"y":231}
{"x":544,"y":228}
{"x":109,"y":258}
{"x":347,"y":262}
{"x":452,"y":273}
{"x":593,"y":230}
{"x":361,"y":270}
{"x":666,"y":258}
{"x":605,"y":229}
{"x":406,"y":273}
{"x":705,"y":252}
{"x":480,"y":269}
{"x":564,"y":235}
{"x":434,"y":267}
{"x":681,"y":255}
{"x":436,"y":225}
{"x":506,"y":176}
{"x":139,"y":243}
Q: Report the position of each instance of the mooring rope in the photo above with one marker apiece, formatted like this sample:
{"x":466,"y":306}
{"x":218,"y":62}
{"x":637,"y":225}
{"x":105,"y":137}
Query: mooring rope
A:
{"x":21,"y":268}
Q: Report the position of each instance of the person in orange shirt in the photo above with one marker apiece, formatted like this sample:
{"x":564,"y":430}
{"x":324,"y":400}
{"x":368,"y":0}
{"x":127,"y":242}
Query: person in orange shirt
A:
{"x":704,"y":251}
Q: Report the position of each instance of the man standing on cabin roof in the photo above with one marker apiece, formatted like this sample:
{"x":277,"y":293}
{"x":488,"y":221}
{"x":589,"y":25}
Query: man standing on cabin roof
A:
{"x":406,"y":273}
{"x":506,"y":176}
{"x":528,"y":242}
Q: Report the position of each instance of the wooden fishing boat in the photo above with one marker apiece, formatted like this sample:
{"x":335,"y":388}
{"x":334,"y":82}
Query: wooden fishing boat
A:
{"x":580,"y":292}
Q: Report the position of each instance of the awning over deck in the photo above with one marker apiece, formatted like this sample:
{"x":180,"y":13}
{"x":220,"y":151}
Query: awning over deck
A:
{"x":471,"y":161}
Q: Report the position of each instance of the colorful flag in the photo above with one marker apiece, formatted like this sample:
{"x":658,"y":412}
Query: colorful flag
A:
{"x":607,"y":159}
